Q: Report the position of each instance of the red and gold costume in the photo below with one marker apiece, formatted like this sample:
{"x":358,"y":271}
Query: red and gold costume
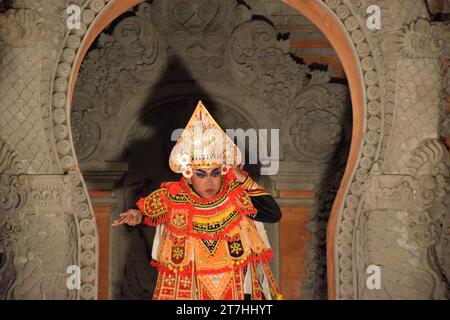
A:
{"x":209,"y":248}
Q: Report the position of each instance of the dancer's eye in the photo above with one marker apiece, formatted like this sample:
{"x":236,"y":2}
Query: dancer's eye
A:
{"x":215,"y":173}
{"x":200,"y":175}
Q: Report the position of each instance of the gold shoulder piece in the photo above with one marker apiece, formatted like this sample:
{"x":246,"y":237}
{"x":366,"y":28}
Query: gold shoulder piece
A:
{"x":153,"y":207}
{"x":253,"y":189}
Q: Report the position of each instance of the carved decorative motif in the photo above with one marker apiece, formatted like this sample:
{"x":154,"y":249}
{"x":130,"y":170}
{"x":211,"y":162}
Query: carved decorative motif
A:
{"x":13,"y":195}
{"x":21,"y":115}
{"x":124,"y":62}
{"x":419,"y":39}
{"x":41,"y":230}
{"x":86,"y":132}
{"x":18,"y":27}
{"x":416,"y":205}
{"x":199,"y":31}
{"x":260,"y":64}
{"x":416,"y":109}
{"x":379,"y":66}
{"x":7,"y":274}
{"x":316,"y":121}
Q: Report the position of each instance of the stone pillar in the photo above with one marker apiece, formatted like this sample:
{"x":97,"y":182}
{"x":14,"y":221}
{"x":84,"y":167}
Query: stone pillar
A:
{"x":101,"y":180}
{"x":401,"y":228}
{"x":40,"y":203}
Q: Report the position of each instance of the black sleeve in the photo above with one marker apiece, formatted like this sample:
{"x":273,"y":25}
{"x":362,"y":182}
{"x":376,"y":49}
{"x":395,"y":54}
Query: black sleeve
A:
{"x":268,"y":209}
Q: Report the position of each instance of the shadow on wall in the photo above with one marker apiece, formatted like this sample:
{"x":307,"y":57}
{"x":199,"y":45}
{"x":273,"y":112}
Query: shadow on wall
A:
{"x":315,"y":288}
{"x":5,"y":5}
{"x":147,"y":155}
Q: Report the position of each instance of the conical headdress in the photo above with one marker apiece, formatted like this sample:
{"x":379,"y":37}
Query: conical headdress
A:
{"x":203,"y":144}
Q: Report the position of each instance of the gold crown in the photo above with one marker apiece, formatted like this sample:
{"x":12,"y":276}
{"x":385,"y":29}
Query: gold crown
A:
{"x":203,"y":144}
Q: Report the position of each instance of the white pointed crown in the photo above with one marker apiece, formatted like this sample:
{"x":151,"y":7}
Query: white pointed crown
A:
{"x":203,"y":144}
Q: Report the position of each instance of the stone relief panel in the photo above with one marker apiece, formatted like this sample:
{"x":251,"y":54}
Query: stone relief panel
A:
{"x":261,"y":65}
{"x":20,"y":81}
{"x":416,"y":112}
{"x":408,"y":248}
{"x":36,"y":221}
{"x":123,"y":62}
{"x":198,"y":31}
{"x":317,"y":130}
{"x":400,"y":41}
{"x":13,"y":194}
{"x":415,"y":39}
{"x":38,"y":242}
{"x":316,"y":123}
{"x":113,"y":77}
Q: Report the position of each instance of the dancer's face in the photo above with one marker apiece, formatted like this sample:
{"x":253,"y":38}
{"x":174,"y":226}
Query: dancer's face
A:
{"x":207,"y":182}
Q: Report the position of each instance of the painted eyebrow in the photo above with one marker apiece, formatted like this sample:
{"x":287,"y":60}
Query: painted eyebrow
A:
{"x":200,"y":171}
{"x":215,"y":171}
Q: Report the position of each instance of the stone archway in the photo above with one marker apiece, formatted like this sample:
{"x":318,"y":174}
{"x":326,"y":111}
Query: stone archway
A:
{"x":372,"y":78}
{"x":397,"y":71}
{"x":43,"y":191}
{"x":328,"y":16}
{"x":100,"y":15}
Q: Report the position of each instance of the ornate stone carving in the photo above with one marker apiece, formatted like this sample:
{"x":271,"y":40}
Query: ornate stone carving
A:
{"x":315,"y":123}
{"x":13,"y":195}
{"x":123,"y":63}
{"x":47,"y":193}
{"x":11,"y":228}
{"x":7,"y":274}
{"x":41,"y":230}
{"x":101,"y":93}
{"x":17,"y":27}
{"x":414,"y":207}
{"x":87,"y":246}
{"x":374,"y":55}
{"x":261,"y":65}
{"x":21,"y":119}
{"x":86,"y":130}
{"x":198,"y":31}
{"x":419,"y":39}
{"x":416,"y":109}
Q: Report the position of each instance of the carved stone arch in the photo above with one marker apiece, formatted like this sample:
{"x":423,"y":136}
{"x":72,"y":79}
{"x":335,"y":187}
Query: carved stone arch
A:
{"x":343,"y":29}
{"x":335,"y":19}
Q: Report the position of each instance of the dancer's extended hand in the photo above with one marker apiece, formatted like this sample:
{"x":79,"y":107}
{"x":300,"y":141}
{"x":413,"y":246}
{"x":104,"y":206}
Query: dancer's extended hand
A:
{"x":131,"y":217}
